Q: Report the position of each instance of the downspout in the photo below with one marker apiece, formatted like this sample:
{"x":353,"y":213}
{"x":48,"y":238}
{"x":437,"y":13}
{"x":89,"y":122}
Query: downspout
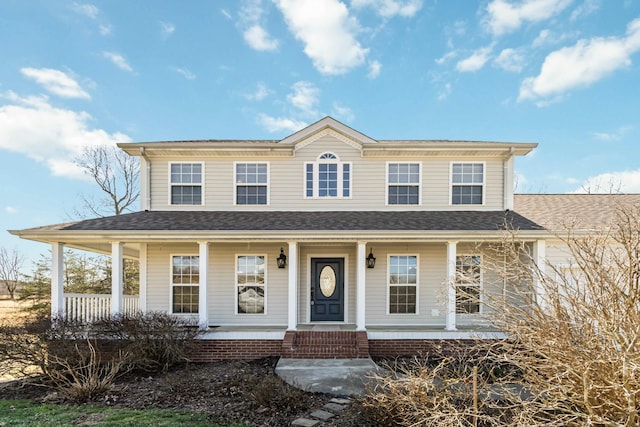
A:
{"x":146,"y":199}
{"x":508,"y":180}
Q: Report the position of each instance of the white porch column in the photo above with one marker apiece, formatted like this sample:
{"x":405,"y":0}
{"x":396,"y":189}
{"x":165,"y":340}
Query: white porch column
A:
{"x":361,"y":269}
{"x":57,"y":280}
{"x":203,"y":312}
{"x":116,"y":278}
{"x":292,"y":317}
{"x":540,"y":259}
{"x":450,"y":324}
{"x":142,"y":292}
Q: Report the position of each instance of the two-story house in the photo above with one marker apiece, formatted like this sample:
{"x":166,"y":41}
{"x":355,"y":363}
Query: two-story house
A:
{"x":325,"y":243}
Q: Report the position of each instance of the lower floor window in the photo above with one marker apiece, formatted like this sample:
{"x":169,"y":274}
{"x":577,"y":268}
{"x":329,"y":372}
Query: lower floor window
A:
{"x":468,"y":282}
{"x":403,"y":284}
{"x":185,"y":284}
{"x":250,"y":284}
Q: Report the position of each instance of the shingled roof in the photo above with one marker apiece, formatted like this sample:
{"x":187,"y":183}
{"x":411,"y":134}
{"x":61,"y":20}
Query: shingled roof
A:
{"x":305,"y":221}
{"x":559,"y":212}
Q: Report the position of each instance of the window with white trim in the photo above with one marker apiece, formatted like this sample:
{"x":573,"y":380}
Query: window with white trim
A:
{"x":186,"y":183}
{"x":185,"y":284}
{"x":403,"y":284}
{"x":252,"y":180}
{"x":250,"y":284}
{"x":328,"y":177}
{"x":467,"y":183}
{"x":403,"y":183}
{"x":468,"y":284}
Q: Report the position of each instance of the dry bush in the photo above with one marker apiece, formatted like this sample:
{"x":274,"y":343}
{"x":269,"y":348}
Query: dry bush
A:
{"x":155,"y":341}
{"x":573,"y":347}
{"x":270,"y":391}
{"x":578,"y":342}
{"x":84,"y":374}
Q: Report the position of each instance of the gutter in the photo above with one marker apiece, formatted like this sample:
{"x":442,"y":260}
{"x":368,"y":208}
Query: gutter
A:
{"x":147,"y":199}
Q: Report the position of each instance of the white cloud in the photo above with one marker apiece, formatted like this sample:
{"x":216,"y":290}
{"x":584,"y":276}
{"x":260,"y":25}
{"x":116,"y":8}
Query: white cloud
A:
{"x":167,"y":28}
{"x":278,"y":124}
{"x":542,"y":39}
{"x":611,"y":182}
{"x":185,"y":73}
{"x":616,"y":135}
{"x":445,"y":92}
{"x":509,"y":59}
{"x":327,"y":31}
{"x":105,"y":30}
{"x":582,"y":64}
{"x":225,"y":13}
{"x":585,"y":9}
{"x":56,"y":82}
{"x":10,"y":210}
{"x":253,"y":30}
{"x":446,"y":57}
{"x":58,"y":138}
{"x":261,"y":92}
{"x":342,"y":112}
{"x":504,"y":17}
{"x":390,"y":8}
{"x":476,"y":61}
{"x":304,"y":97}
{"x":374,"y":69}
{"x":258,"y":38}
{"x":118,"y":60}
{"x":88,"y":10}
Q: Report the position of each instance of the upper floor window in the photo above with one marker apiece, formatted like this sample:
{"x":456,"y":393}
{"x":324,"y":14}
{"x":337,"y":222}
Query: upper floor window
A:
{"x":403,"y":183}
{"x":185,"y":284}
{"x":467,"y":183}
{"x":403,"y":284}
{"x":468,"y":283}
{"x":186,"y":183}
{"x":328,"y":177}
{"x":252,"y":183}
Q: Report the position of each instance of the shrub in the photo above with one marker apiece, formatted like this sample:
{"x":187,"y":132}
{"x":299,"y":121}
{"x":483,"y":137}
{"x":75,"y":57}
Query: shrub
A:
{"x":82,"y":360}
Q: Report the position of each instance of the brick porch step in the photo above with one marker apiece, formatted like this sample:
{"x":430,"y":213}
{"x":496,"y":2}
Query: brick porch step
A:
{"x":325,"y":344}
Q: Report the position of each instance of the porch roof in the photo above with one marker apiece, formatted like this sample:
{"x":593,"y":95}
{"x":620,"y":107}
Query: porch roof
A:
{"x":294,"y":221}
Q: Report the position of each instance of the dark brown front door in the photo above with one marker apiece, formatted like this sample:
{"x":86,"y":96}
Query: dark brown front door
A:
{"x":327,"y":289}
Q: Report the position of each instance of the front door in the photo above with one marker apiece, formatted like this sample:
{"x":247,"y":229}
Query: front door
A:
{"x":327,"y":289}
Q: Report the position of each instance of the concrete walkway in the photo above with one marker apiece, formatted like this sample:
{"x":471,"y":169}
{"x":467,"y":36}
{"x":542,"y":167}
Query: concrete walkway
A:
{"x":335,"y":377}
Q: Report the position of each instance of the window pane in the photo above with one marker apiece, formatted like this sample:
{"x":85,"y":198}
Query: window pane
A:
{"x":251,"y":299}
{"x":185,"y":299}
{"x":251,"y":195}
{"x":403,"y":195}
{"x":466,"y":195}
{"x":346,"y":180}
{"x":402,"y":299}
{"x":309,"y":180}
{"x":186,"y":195}
{"x":327,"y":180}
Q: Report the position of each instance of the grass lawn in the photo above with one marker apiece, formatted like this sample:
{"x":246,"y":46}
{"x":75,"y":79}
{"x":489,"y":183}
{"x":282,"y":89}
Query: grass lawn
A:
{"x":17,"y":413}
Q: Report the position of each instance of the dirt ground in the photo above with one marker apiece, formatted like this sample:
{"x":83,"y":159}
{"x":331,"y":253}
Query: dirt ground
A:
{"x":228,"y":391}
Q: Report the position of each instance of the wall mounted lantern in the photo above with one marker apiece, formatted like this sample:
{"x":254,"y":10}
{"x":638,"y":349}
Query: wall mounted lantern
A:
{"x":282,"y":259}
{"x":371,"y":260}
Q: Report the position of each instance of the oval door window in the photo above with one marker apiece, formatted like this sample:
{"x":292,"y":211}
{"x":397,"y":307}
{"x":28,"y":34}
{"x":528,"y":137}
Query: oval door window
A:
{"x":327,"y":281}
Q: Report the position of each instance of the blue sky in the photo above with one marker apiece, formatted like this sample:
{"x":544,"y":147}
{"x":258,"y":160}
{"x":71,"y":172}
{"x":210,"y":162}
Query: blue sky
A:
{"x":563,"y":73}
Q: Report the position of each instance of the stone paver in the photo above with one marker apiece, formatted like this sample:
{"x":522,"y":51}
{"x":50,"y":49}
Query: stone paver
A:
{"x":334,"y":407}
{"x":305,"y":422}
{"x":322,"y":415}
{"x":340,"y":401}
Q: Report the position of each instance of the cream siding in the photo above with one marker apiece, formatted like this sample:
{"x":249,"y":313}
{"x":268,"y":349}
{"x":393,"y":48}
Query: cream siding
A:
{"x":287,"y":181}
{"x":222,"y":280}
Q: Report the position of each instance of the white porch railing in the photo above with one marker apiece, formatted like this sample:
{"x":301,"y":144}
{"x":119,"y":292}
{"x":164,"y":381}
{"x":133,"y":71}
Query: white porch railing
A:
{"x":93,"y":307}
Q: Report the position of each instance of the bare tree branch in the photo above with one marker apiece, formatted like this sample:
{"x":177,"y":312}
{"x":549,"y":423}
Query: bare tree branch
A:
{"x":10,"y":265}
{"x":117,"y":175}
